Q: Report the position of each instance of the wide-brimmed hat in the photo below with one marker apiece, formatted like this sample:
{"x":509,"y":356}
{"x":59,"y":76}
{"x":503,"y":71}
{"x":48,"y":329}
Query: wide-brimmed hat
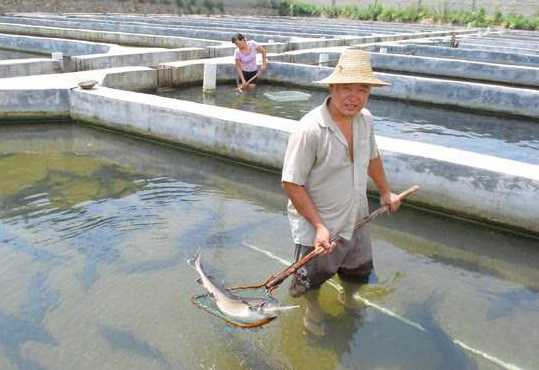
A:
{"x":354,"y":66}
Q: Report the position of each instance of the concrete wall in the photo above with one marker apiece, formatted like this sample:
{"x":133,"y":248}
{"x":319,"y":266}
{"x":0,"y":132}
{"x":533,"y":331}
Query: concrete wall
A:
{"x":453,"y":68}
{"x":136,"y":58}
{"x":49,"y":45}
{"x":120,"y":38}
{"x":483,"y":187}
{"x":515,"y":101}
{"x":467,"y":54}
{"x":47,"y":96}
{"x":109,"y":30}
{"x":466,"y":70}
{"x":28,"y":67}
{"x":245,"y":136}
{"x":34,"y":104}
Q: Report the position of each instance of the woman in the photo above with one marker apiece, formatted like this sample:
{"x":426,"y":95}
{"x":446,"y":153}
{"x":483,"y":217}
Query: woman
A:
{"x":245,"y":58}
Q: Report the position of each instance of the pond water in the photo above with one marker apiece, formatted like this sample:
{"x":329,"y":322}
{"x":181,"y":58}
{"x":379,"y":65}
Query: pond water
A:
{"x":15,"y":54}
{"x":506,"y":137}
{"x":96,"y":228}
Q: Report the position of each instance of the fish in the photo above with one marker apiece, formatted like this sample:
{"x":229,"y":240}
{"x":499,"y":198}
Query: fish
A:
{"x":239,"y":309}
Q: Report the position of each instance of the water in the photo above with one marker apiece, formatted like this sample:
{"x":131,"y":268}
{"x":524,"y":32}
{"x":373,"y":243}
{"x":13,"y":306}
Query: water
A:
{"x":95,"y":230}
{"x":506,"y":137}
{"x":14,"y":54}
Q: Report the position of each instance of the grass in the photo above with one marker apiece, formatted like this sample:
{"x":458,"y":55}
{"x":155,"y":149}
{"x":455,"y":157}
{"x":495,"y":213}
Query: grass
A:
{"x":378,"y":12}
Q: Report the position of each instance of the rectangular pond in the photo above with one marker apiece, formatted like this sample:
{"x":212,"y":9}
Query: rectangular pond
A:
{"x":501,"y":136}
{"x":96,"y":228}
{"x":6,"y":54}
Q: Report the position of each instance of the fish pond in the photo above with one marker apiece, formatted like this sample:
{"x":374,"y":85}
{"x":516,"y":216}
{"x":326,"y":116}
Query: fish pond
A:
{"x":501,"y":136}
{"x":16,"y":54}
{"x":96,"y":228}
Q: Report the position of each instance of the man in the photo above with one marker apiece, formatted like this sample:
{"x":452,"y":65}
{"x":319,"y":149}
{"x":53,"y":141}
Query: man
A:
{"x":328,"y":160}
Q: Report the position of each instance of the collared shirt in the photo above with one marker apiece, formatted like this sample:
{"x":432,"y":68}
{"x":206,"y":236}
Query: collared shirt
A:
{"x":248,"y":60}
{"x":317,"y":157}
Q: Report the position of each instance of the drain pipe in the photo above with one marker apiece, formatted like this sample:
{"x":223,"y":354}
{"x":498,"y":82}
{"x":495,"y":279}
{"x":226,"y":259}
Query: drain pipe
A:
{"x":58,"y":57}
{"x":210,"y":78}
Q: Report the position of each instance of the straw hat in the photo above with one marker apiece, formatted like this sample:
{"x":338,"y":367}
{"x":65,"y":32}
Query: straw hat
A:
{"x":354,"y":66}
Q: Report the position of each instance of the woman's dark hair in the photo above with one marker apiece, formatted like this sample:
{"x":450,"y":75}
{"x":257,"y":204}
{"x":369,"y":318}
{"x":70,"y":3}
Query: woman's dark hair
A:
{"x":238,"y":37}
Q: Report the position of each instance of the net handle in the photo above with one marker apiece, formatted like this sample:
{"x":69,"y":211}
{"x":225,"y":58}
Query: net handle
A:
{"x":275,"y":280}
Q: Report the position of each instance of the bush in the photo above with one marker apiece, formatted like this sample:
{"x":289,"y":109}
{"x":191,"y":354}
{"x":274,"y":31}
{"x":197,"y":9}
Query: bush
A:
{"x":331,"y":11}
{"x":374,"y":10}
{"x":377,"y":11}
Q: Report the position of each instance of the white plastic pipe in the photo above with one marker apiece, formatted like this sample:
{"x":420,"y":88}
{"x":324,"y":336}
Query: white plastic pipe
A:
{"x":323,"y":59}
{"x":59,"y":57}
{"x":210,"y":77}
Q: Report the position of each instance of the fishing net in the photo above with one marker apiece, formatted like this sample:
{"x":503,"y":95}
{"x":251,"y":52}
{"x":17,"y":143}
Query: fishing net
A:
{"x":264,"y":290}
{"x":287,"y":96}
{"x":206,"y":302}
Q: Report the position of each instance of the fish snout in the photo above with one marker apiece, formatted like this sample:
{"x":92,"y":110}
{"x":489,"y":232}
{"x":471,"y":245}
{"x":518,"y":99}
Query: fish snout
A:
{"x":274,"y":310}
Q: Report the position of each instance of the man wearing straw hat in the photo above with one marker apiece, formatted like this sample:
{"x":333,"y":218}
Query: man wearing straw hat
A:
{"x":329,"y":157}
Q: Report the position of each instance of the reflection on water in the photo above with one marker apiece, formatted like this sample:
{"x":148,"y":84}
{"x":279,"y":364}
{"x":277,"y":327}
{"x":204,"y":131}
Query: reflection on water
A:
{"x":505,"y":137}
{"x":15,"y":54}
{"x":95,"y":231}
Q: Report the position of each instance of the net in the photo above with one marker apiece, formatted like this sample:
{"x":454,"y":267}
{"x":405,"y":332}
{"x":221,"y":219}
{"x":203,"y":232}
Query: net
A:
{"x":287,"y":96}
{"x":206,"y":302}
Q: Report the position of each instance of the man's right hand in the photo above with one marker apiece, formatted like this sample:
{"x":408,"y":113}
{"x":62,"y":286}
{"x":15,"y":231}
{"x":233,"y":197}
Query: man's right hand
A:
{"x":322,"y":240}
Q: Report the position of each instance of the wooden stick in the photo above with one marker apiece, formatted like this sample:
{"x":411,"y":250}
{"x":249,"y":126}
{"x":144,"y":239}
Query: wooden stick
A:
{"x":240,"y":89}
{"x":275,"y":280}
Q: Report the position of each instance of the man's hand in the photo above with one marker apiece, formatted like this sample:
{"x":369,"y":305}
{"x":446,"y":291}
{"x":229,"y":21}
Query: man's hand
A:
{"x":392,"y":200}
{"x":322,"y":240}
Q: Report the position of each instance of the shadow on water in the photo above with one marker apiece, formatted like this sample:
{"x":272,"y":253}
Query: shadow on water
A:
{"x":47,"y":192}
{"x":364,"y":338}
{"x":507,"y":303}
{"x":16,"y":332}
{"x":461,"y":244}
{"x":11,"y":238}
{"x":41,"y":299}
{"x":188,"y":242}
{"x":451,"y":355}
{"x":128,"y":342}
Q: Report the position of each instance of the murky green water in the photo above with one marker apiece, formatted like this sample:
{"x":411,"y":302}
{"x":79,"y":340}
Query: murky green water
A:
{"x":14,"y":54}
{"x":95,"y":230}
{"x":505,"y":137}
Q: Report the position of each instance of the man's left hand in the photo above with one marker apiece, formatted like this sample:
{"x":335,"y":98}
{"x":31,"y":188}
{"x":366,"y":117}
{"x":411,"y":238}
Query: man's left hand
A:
{"x":392,"y":200}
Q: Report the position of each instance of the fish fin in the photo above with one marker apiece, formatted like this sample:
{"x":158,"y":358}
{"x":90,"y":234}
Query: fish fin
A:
{"x":199,"y":280}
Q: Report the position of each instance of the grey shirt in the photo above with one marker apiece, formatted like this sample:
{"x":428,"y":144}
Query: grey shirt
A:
{"x":317,"y":158}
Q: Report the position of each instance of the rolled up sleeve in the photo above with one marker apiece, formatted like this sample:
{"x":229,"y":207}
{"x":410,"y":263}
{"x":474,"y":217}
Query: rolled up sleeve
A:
{"x":299,"y":158}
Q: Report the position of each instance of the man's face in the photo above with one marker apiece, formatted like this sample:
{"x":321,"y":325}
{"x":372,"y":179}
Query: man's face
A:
{"x":349,"y":99}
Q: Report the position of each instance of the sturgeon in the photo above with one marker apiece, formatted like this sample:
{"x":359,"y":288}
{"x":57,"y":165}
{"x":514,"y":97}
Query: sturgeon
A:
{"x":240,"y":309}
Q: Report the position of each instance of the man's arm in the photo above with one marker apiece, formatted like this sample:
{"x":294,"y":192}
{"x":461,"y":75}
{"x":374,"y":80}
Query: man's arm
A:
{"x":305,"y":206}
{"x":378,"y":175}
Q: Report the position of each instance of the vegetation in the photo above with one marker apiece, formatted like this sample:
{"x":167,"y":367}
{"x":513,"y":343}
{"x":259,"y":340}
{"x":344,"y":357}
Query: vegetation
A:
{"x":200,"y":6}
{"x":378,"y":12}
